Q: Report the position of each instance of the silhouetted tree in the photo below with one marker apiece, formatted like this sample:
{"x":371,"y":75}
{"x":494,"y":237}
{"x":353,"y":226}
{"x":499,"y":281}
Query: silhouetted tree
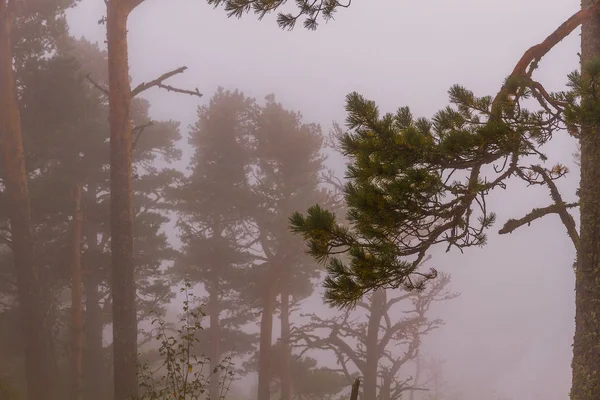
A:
{"x":368,"y":344}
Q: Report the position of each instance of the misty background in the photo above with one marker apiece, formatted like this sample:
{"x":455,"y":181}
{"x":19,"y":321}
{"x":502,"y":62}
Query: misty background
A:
{"x":512,"y":326}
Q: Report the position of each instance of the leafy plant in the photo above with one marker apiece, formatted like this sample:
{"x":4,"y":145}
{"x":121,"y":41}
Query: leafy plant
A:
{"x":182,"y":374}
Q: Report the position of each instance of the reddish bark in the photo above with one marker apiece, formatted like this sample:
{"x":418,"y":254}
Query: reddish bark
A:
{"x":121,"y":208}
{"x":39,"y":364}
{"x":76,"y":296}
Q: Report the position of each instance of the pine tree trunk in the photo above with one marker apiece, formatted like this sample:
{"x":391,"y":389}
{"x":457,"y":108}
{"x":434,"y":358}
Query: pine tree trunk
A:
{"x":586,"y":347}
{"x":95,"y":365}
{"x":372,"y":346}
{"x":266,"y":338}
{"x":39,"y":365}
{"x":121,"y":210}
{"x":415,"y":382}
{"x":76,"y":297}
{"x":285,"y":373}
{"x":215,"y":338}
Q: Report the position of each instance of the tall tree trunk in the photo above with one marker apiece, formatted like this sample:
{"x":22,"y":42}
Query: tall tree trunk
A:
{"x":285,"y":373}
{"x":121,"y":209}
{"x":215,"y":337}
{"x":39,"y":365}
{"x":266,"y":337}
{"x":95,"y":365}
{"x":372,"y":345}
{"x":76,"y":296}
{"x":586,"y":347}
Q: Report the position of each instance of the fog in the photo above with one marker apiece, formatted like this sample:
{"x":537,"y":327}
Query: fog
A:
{"x":510,"y":331}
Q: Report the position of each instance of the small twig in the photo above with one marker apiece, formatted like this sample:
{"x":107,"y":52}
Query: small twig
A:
{"x":138,"y":130}
{"x":96,"y":84}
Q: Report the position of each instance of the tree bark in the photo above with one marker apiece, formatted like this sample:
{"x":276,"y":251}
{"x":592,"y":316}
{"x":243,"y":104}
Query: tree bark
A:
{"x":372,"y":346}
{"x":215,"y":337}
{"x":121,"y":209}
{"x":76,"y":297}
{"x":95,"y":365}
{"x":266,"y":338}
{"x":285,"y":373}
{"x":586,"y":346}
{"x":39,"y":366}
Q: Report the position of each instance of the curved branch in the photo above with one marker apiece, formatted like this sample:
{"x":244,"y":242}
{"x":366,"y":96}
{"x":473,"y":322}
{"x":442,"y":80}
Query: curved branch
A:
{"x":535,"y":53}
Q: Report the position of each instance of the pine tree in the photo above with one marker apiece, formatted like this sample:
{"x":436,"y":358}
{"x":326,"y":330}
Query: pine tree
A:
{"x":67,"y":144}
{"x":286,"y":176}
{"x":429,"y":178}
{"x":18,"y":21}
{"x":213,"y":204}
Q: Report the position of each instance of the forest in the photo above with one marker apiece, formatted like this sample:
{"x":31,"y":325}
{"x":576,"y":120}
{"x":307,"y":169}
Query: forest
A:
{"x":260,"y":253}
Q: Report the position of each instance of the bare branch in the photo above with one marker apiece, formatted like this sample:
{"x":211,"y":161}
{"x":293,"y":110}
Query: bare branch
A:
{"x":169,"y":88}
{"x":158,"y":82}
{"x":559,"y":207}
{"x":96,"y":84}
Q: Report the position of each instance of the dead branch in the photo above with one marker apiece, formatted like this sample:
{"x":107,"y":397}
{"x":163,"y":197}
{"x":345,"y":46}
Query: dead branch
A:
{"x":559,"y":207}
{"x":512,"y":224}
{"x":96,"y":84}
{"x":158,"y":82}
{"x":169,"y":88}
{"x":565,"y":217}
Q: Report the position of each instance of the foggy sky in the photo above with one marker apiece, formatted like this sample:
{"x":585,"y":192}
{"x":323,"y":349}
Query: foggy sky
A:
{"x":512,"y":327}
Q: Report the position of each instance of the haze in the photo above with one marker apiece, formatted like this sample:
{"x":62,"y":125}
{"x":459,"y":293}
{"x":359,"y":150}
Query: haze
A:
{"x":509,"y":333}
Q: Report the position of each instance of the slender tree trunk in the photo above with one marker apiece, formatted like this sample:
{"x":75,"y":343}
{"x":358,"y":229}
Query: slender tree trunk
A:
{"x":39,"y":365}
{"x":285,"y":373}
{"x":121,"y":209}
{"x":415,"y":383}
{"x":76,"y":297}
{"x":586,"y":347}
{"x":372,"y":345}
{"x":215,"y":337}
{"x":95,"y":365}
{"x":266,"y":338}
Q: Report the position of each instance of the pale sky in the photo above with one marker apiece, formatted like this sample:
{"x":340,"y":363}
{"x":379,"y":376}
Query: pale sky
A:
{"x":512,"y":327}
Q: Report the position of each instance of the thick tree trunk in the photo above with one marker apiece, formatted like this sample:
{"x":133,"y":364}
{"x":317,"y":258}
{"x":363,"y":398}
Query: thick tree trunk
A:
{"x":39,"y":365}
{"x":121,"y":210}
{"x":95,"y":365}
{"x":285,"y":373}
{"x":76,"y":297}
{"x":586,"y":347}
{"x":266,"y":338}
{"x":372,"y":345}
{"x":215,"y":337}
